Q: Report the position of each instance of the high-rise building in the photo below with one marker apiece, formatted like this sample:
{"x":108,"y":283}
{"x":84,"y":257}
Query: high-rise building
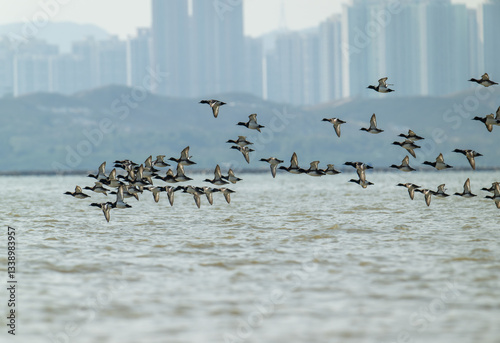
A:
{"x":171,"y":45}
{"x":112,"y":62}
{"x":330,"y":59}
{"x":139,"y":58}
{"x":489,"y":12}
{"x":88,"y":51}
{"x":6,"y":67}
{"x":67,"y":74}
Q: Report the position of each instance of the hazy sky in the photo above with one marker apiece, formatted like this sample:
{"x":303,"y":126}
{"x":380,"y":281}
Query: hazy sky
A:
{"x":122,"y":17}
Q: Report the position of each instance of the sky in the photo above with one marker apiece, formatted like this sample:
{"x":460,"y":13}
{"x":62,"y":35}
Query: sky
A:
{"x":122,"y":17}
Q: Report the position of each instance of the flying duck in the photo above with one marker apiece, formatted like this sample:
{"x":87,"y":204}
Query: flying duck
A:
{"x":489,"y":120}
{"x":363,"y":184}
{"x":405,"y":165}
{"x":160,"y":162}
{"x":467,"y":192}
{"x":330,"y":170}
{"x":195,"y":192}
{"x":411,"y":188}
{"x":119,"y":203}
{"x":439,"y":164}
{"x":408,"y":145}
{"x":373,"y":126}
{"x":411,"y":136}
{"x":496,"y":195}
{"x":244,"y":150}
{"x":360,"y":169}
{"x":294,"y":166}
{"x":170,"y":177}
{"x":98,"y":188}
{"x":336,"y":124}
{"x":470,"y":154}
{"x":484,"y":81}
{"x":241,"y":141}
{"x":214,"y":104}
{"x":78,"y":193}
{"x":217,"y":180}
{"x":427,"y":195}
{"x":273,"y":161}
{"x":492,"y":188}
{"x":441,"y":192}
{"x":105,"y":207}
{"x":227,"y":193}
{"x":382,"y":86}
{"x":208,"y":191}
{"x":231,"y":177}
{"x":313,"y":169}
{"x":252,"y":123}
{"x":180,"y":176}
{"x":184,"y":159}
{"x":100,"y":172}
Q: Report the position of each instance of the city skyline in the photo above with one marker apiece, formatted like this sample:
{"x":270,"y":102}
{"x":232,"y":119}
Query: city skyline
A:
{"x":260,"y":16}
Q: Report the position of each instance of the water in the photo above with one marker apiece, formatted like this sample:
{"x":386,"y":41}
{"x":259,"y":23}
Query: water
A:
{"x":291,"y":259}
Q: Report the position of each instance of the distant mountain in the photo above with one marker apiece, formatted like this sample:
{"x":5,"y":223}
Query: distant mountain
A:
{"x":55,"y":132}
{"x":58,"y":33}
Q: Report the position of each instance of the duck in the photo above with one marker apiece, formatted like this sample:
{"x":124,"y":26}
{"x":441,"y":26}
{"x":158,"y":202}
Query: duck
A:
{"x":128,"y":192}
{"x":409,"y":145}
{"x":180,"y":176}
{"x":78,"y":193}
{"x":100,"y":172}
{"x":241,"y":141}
{"x":156,"y":192}
{"x":484,"y":81}
{"x":98,"y":188}
{"x":427,"y":195}
{"x":411,"y":188}
{"x":496,"y":195}
{"x":411,"y":136}
{"x":360,"y":169}
{"x":112,"y":180}
{"x":208,"y":191}
{"x":439,"y":164}
{"x":231,"y":177}
{"x":294,"y":166}
{"x":336,"y":124}
{"x":489,"y":120}
{"x":252,"y":123}
{"x":492,"y":188}
{"x":185,"y":159}
{"x":382,"y":86}
{"x":217,"y":180}
{"x":245,"y":150}
{"x":373,"y":126}
{"x":313,"y":169}
{"x":405,"y":165}
{"x":330,"y":170}
{"x":470,"y":154}
{"x":467,"y":192}
{"x":227,"y":193}
{"x":169,"y":177}
{"x":105,"y":207}
{"x":195,"y":192}
{"x":119,"y":203}
{"x":274,"y":162}
{"x":214,"y":104}
{"x":441,"y":192}
{"x":363,"y":184}
{"x":159,"y":162}
{"x":125,"y":164}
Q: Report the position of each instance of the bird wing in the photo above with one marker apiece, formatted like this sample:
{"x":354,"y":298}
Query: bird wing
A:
{"x":294,"y":161}
{"x":149,"y":162}
{"x":78,"y":189}
{"x":180,"y":170}
{"x":314,"y":165}
{"x":441,"y":188}
{"x":196,"y":197}
{"x":496,"y":191}
{"x":485,"y":77}
{"x":410,"y":150}
{"x":428,"y":198}
{"x":382,"y":82}
{"x":361,"y":175}
{"x":498,"y":114}
{"x":373,"y":122}
{"x":170,"y":194}
{"x":227,"y":196}
{"x":273,"y":169}
{"x":467,"y":186}
{"x":440,"y":158}
{"x":105,"y":210}
{"x":185,"y":153}
{"x":246,"y":154}
{"x":112,"y":175}
{"x":102,"y":168}
{"x":406,"y":161}
{"x":253,"y":117}
{"x":336,"y":126}
{"x":217,"y":173}
{"x":119,"y":194}
{"x":230,"y":173}
{"x":411,"y":192}
{"x":472,"y":161}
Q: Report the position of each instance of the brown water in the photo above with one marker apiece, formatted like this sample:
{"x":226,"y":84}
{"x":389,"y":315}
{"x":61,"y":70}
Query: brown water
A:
{"x":291,"y":259}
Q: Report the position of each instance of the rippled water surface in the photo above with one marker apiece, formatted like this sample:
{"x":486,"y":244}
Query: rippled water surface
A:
{"x":291,"y":259}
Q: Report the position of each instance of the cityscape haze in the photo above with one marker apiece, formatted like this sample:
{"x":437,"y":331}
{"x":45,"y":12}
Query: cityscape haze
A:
{"x":430,"y":47}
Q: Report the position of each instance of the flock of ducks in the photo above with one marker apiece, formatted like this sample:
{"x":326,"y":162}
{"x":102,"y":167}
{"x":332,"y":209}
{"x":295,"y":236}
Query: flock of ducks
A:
{"x":140,"y":177}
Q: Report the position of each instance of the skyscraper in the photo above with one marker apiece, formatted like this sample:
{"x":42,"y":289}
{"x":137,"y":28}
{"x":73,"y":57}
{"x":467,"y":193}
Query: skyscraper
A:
{"x":171,"y":45}
{"x":489,"y":13}
{"x":330,"y":59}
{"x":138,"y":57}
